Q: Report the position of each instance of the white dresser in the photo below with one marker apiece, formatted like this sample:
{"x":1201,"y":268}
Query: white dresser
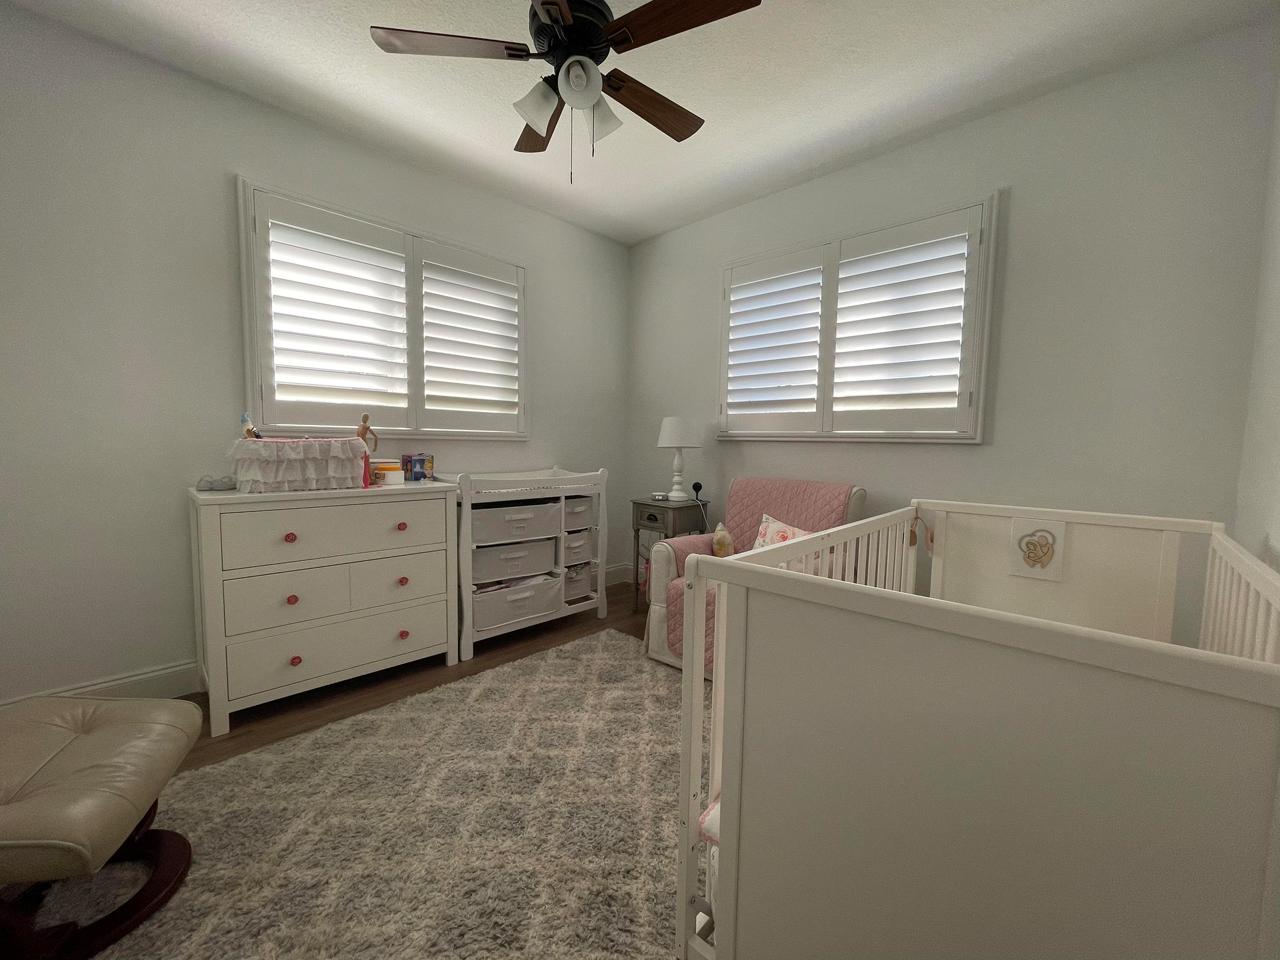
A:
{"x":297,"y":590}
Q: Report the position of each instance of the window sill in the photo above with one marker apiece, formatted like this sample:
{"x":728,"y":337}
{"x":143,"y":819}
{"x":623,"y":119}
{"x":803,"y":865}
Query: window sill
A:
{"x":851,"y":437}
{"x":392,"y":433}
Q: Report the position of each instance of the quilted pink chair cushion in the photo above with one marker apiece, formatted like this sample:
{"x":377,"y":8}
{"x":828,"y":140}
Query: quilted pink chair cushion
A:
{"x":807,"y":504}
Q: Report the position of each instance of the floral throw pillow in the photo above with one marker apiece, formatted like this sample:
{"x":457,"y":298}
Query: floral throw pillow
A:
{"x":775,"y":531}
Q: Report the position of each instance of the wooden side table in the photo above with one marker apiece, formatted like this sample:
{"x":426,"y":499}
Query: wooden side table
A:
{"x":669,"y":518}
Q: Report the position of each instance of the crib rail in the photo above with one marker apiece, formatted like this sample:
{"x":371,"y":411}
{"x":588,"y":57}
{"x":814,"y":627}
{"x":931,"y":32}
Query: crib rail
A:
{"x":876,"y":552}
{"x":1241,"y":604}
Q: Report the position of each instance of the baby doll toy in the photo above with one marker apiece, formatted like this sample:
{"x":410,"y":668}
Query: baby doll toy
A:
{"x":364,"y":431}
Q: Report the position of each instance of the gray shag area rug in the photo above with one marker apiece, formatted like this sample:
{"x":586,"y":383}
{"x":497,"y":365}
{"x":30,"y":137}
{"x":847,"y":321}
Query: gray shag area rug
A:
{"x":529,"y":811}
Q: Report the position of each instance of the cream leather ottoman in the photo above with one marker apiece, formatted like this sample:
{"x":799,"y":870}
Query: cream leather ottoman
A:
{"x":79,"y":778}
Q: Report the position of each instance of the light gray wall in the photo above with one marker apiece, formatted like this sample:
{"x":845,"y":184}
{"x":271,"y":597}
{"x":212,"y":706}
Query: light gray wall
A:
{"x":121,"y":367}
{"x":1257,"y":521}
{"x":1124,"y":302}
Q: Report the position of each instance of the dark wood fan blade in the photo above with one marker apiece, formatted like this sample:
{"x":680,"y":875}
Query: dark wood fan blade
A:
{"x":446,"y":44}
{"x":659,"y":19}
{"x":648,"y":104}
{"x":553,"y":11}
{"x":531,"y":142}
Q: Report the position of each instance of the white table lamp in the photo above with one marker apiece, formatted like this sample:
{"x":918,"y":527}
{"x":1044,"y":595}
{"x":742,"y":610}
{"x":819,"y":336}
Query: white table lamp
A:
{"x":678,"y":434}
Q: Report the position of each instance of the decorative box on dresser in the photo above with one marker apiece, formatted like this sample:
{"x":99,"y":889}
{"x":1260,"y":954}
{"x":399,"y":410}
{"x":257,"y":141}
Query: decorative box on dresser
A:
{"x":298,"y":590}
{"x":532,"y":549}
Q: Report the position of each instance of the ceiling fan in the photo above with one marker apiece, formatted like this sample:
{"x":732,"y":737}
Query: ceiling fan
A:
{"x":575,"y":37}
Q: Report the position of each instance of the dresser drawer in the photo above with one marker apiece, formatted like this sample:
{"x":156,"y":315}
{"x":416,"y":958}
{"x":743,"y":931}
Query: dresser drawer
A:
{"x":579,"y":512}
{"x":254,"y":666}
{"x":526,"y":521}
{"x":377,"y":582}
{"x":261,"y":537}
{"x":516,"y":603}
{"x":579,"y":547}
{"x":274,"y":599}
{"x":512,"y":560}
{"x":578,"y":582}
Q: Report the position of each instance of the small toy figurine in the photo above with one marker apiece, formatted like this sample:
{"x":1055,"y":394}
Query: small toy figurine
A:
{"x":364,"y":431}
{"x":250,"y":431}
{"x":721,"y":541}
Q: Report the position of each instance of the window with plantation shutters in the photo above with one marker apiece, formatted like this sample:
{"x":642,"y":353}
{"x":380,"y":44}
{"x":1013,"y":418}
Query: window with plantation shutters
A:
{"x":774,"y":329}
{"x":892,"y":351}
{"x":903,"y":299}
{"x":470,"y":340}
{"x":348,"y":316}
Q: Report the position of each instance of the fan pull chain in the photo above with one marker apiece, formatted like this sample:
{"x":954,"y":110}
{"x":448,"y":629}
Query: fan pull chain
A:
{"x":571,"y":112}
{"x":593,"y":131}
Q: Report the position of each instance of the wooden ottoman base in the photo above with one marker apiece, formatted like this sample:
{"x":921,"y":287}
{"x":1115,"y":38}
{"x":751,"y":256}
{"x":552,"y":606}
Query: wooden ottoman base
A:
{"x":167,"y":853}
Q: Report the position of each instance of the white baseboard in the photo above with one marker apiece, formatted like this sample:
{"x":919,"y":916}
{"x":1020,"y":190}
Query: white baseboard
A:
{"x":617,"y":573}
{"x":173,"y":680}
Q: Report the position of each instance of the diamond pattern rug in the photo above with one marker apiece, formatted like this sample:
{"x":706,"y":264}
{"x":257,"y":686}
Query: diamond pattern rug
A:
{"x":529,"y":811}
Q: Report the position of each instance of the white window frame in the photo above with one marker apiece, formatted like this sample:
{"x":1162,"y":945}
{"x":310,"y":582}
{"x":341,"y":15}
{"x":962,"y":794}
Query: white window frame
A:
{"x":256,"y":307}
{"x":981,"y":218}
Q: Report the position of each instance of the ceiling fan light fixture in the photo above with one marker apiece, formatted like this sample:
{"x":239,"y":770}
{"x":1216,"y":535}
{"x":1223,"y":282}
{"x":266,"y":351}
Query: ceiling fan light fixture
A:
{"x":537,"y":106}
{"x":579,"y":83}
{"x":603,"y":121}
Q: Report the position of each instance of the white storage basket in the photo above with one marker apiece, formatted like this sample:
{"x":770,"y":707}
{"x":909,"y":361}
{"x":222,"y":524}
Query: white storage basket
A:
{"x":277,"y":465}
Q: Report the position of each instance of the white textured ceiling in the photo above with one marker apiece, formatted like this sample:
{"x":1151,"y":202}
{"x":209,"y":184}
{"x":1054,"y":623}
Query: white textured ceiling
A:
{"x":788,"y":90}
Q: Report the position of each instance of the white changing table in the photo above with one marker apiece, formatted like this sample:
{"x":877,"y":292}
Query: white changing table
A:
{"x":531,"y":549}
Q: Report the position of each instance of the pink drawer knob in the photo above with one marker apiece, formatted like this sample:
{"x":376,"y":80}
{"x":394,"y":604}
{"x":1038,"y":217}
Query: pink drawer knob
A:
{"x":403,"y":581}
{"x":291,"y":599}
{"x":404,"y":634}
{"x":402,"y":526}
{"x":290,"y":537}
{"x":295,"y":661}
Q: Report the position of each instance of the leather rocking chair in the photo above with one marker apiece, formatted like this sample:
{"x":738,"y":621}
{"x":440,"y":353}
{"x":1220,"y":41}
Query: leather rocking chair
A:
{"x":79,"y":779}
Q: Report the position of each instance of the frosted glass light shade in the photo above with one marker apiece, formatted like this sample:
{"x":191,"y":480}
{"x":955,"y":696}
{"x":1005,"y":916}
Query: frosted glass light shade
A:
{"x":579,"y":83}
{"x":676,"y":432}
{"x":603,"y":121}
{"x":537,"y":107}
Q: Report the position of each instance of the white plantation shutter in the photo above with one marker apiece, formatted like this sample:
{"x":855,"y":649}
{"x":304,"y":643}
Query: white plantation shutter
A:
{"x":875,"y":337}
{"x":471,"y":340}
{"x":903,"y":340}
{"x":773,"y":335}
{"x":348,"y":316}
{"x":333,"y":318}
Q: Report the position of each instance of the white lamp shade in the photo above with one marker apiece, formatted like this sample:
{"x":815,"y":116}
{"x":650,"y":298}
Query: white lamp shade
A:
{"x":603,"y":121}
{"x":678,"y":432}
{"x":538,"y":106}
{"x":579,"y":83}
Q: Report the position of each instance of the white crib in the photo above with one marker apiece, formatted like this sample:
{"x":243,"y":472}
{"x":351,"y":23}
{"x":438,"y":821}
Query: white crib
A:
{"x":1020,"y":765}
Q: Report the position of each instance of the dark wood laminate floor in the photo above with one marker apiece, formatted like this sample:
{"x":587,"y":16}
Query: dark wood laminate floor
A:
{"x":278,"y":719}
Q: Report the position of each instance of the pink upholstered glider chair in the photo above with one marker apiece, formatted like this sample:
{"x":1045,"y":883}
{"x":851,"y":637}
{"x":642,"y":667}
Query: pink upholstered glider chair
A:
{"x":807,"y":504}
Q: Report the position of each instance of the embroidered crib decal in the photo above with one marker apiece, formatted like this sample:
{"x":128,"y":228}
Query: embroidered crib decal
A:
{"x":1036,"y":548}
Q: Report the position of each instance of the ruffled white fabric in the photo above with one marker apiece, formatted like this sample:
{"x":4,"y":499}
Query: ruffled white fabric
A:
{"x":275,"y":466}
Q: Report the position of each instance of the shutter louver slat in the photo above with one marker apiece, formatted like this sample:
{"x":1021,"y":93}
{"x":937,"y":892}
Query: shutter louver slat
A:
{"x":774,"y":333}
{"x":899,"y":328}
{"x":471,"y":343}
{"x":338,"y":321}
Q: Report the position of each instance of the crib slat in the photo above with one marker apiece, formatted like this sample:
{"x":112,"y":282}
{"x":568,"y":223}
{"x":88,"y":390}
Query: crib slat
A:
{"x":886,"y":552}
{"x":1209,"y":614}
{"x":1251,"y":623}
{"x":899,"y":549}
{"x":1232,"y":602}
{"x":1271,"y":649}
{"x":1219,"y":600}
